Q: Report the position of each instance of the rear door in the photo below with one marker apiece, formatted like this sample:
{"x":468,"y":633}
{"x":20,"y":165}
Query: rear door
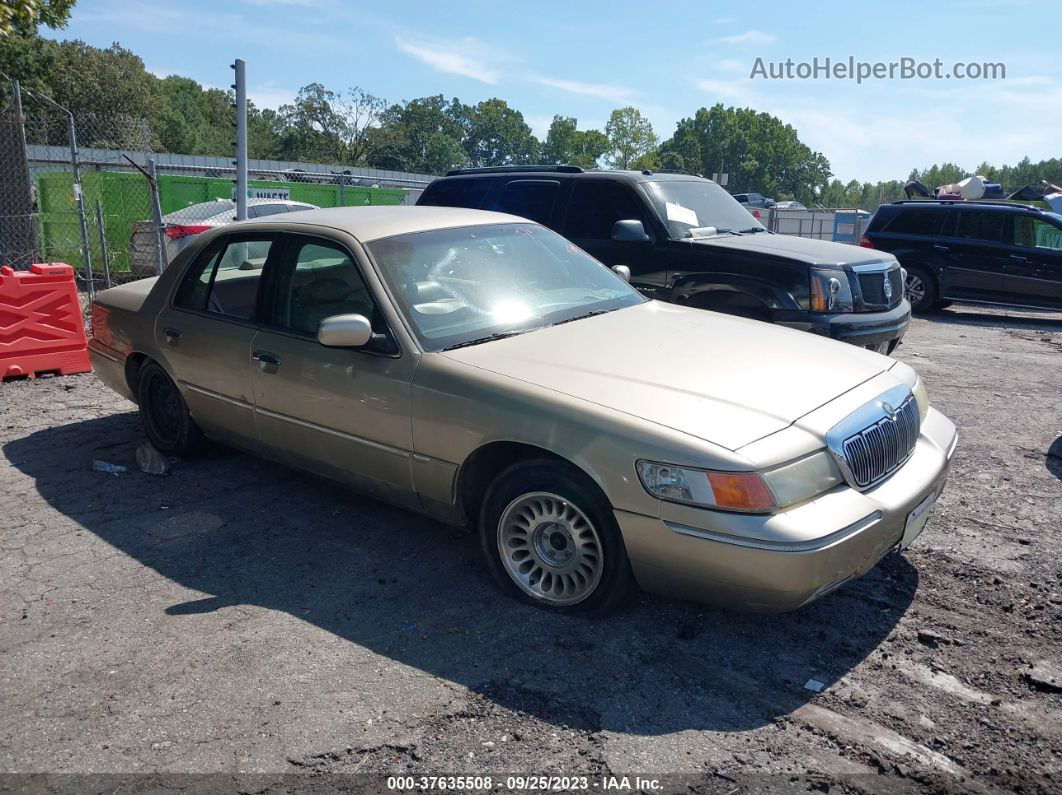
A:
{"x":1034,"y":262}
{"x":976,"y":255}
{"x":533,"y":199}
{"x":205,"y":333}
{"x":341,"y":412}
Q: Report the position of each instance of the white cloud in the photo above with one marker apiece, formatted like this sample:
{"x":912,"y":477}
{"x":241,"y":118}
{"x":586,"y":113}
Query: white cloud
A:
{"x":733,"y":90}
{"x":612,"y":93}
{"x":749,"y":37}
{"x":270,"y":95}
{"x":465,"y":57}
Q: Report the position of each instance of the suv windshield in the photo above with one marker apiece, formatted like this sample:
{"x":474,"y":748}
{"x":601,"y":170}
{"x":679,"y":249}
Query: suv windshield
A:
{"x":471,"y":284}
{"x":687,"y":207}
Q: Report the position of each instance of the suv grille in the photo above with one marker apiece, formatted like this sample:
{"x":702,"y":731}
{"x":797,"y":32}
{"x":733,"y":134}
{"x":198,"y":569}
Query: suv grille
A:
{"x":878,"y":450}
{"x":872,"y":288}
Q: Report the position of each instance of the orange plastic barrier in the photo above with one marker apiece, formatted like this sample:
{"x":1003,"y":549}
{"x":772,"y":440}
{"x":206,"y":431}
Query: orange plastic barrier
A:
{"x":41,"y":328}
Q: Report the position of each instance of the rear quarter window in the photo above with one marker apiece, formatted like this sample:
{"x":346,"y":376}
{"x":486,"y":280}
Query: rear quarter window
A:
{"x":529,"y":198}
{"x":916,"y":222}
{"x":455,"y":193}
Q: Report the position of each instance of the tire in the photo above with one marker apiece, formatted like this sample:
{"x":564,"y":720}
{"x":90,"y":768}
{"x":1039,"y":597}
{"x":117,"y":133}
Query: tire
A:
{"x":551,"y":540}
{"x":920,"y":288}
{"x":167,"y":423}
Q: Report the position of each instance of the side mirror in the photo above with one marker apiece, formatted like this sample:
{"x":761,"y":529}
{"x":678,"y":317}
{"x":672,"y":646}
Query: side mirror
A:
{"x":623,"y":272}
{"x":630,"y":231}
{"x":344,"y":331}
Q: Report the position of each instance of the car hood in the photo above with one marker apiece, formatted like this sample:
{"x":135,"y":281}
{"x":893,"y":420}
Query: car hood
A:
{"x":813,"y":252}
{"x":723,"y":379}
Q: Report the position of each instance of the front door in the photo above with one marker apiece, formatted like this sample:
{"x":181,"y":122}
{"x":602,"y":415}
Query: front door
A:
{"x":594,"y":208}
{"x":1033,"y":273}
{"x":341,"y":412}
{"x":205,"y":334}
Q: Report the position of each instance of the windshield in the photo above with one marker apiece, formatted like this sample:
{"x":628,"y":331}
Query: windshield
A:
{"x":459,"y":286}
{"x":687,"y":207}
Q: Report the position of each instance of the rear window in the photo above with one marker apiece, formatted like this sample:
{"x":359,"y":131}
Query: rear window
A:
{"x":529,"y":198}
{"x":455,"y":193}
{"x":981,"y":225}
{"x":916,"y":222}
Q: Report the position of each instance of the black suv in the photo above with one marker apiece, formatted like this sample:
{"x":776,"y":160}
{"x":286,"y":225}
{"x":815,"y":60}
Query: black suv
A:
{"x":686,"y":240}
{"x":972,"y":251}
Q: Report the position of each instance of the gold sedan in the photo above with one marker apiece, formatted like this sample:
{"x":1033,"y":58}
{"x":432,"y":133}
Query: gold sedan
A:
{"x":482,"y":369}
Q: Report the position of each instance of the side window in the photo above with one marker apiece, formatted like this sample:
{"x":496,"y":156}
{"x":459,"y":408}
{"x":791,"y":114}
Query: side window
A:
{"x":596,"y":206}
{"x":1036,"y":233}
{"x":224,"y":280}
{"x":262,"y":210}
{"x":987,"y":227}
{"x":320,"y":280}
{"x":529,"y":198}
{"x":916,"y":221}
{"x":458,"y":192}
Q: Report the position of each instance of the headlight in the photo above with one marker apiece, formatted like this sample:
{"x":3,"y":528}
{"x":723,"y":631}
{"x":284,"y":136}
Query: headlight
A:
{"x":749,"y":492}
{"x":830,"y":290}
{"x":920,"y":396}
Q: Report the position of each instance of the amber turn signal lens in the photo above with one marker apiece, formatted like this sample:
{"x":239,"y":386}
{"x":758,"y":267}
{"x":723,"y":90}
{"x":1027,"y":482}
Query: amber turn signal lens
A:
{"x":744,"y":491}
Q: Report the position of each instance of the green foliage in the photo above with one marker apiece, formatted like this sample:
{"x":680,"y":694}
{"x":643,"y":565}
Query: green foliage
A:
{"x":759,"y":152}
{"x":25,"y":16}
{"x":565,"y":144}
{"x":430,"y":134}
{"x":632,"y":142}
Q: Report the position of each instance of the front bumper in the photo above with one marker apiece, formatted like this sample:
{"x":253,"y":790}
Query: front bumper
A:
{"x":859,"y":328}
{"x":785,"y":560}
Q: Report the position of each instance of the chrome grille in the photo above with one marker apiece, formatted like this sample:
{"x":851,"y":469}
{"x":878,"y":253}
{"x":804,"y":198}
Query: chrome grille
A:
{"x":879,"y":449}
{"x":872,"y":289}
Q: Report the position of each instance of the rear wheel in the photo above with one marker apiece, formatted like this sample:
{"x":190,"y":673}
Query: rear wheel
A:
{"x":920,"y":288}
{"x":550,"y":539}
{"x":169,"y":426}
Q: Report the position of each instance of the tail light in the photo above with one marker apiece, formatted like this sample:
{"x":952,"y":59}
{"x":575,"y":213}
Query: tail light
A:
{"x":177,"y":231}
{"x":865,"y":242}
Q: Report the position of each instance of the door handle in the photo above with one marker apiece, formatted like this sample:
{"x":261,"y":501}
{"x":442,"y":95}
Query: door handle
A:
{"x":939,"y":247}
{"x":1019,"y":258}
{"x":171,"y":333}
{"x":265,"y":357}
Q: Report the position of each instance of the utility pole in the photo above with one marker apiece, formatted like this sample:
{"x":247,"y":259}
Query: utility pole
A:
{"x":241,"y":138}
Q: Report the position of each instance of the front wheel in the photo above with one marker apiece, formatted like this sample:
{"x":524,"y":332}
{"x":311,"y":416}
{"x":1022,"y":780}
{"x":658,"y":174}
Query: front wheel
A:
{"x":550,"y":539}
{"x":920,"y":288}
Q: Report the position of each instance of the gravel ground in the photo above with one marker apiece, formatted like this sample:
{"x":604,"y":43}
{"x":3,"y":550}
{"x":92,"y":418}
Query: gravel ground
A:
{"x":234,"y":617}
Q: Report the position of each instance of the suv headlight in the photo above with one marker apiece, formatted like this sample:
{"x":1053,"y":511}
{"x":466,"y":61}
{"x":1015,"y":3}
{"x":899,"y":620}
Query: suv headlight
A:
{"x":747,"y":492}
{"x":830,"y":290}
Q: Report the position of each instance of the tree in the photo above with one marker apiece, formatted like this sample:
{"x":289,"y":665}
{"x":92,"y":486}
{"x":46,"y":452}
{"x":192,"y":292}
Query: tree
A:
{"x":757,"y":150}
{"x":631,"y":139}
{"x":324,"y":125}
{"x":567,"y":144}
{"x":497,"y":135}
{"x":423,"y":135}
{"x":25,"y":16}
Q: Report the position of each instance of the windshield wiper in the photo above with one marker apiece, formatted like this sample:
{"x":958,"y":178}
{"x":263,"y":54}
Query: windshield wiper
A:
{"x":498,"y":335}
{"x":753,"y":230}
{"x":718,"y":231}
{"x":583,"y":317}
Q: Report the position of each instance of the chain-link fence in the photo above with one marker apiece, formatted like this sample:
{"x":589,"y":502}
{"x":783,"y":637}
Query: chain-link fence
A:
{"x":88,"y":190}
{"x":837,"y":224}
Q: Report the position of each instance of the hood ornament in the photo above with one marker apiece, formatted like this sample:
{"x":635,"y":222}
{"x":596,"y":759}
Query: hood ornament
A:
{"x":888,"y":286}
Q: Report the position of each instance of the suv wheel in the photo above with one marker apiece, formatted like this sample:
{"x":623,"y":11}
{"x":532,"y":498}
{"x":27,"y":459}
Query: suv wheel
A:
{"x":551,"y":540}
{"x":920,"y":288}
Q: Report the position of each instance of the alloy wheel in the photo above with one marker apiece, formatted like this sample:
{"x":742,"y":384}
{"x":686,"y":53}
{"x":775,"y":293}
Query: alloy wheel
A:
{"x":550,"y":548}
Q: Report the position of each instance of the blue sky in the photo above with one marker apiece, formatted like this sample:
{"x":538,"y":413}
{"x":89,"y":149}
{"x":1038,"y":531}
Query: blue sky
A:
{"x":583,"y":58}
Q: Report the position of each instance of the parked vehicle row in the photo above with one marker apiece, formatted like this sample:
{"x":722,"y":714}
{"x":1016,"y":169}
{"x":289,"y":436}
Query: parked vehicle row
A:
{"x":972,"y":251}
{"x":482,"y":369}
{"x":685,"y":240}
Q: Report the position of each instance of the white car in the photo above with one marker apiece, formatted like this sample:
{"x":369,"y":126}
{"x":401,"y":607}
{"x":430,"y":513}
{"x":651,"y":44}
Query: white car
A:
{"x":184,"y":224}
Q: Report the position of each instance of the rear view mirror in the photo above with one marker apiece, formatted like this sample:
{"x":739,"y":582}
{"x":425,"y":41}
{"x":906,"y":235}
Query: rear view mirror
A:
{"x":630,"y":231}
{"x":623,"y":272}
{"x":344,"y":331}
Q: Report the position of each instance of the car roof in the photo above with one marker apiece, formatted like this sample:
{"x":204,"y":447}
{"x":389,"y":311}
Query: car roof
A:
{"x":944,"y":204}
{"x":524,"y":172}
{"x":373,"y":223}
